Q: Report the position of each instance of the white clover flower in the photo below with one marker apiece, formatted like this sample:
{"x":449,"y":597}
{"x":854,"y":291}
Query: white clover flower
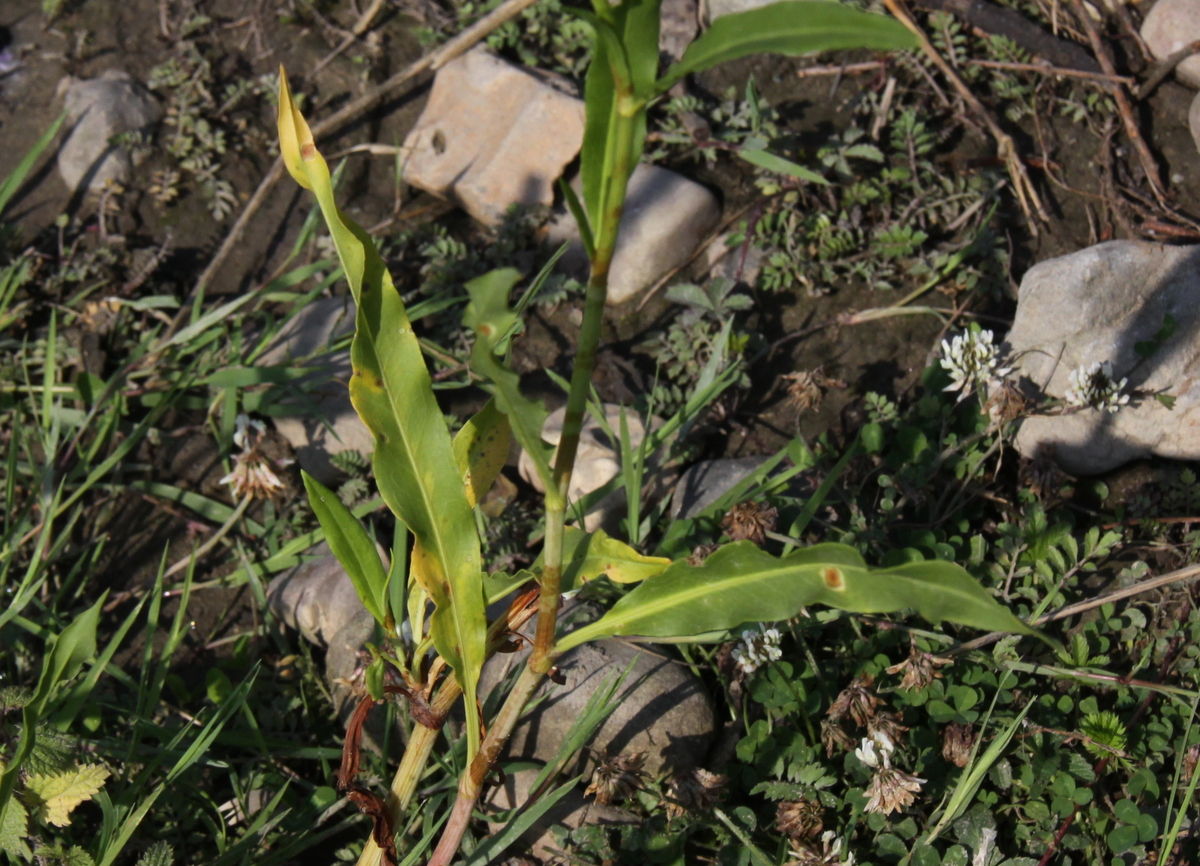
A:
{"x":973,"y":361}
{"x":876,"y":750}
{"x":1093,"y":385}
{"x":758,"y":646}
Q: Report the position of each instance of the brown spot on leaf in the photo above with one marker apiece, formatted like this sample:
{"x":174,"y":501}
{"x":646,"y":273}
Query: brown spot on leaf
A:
{"x":308,"y":152}
{"x":833,"y":578}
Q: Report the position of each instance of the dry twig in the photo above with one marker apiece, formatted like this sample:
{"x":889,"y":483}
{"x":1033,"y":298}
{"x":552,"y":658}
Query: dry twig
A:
{"x":1149,"y":166}
{"x":1165,"y":67}
{"x":1006,"y":148}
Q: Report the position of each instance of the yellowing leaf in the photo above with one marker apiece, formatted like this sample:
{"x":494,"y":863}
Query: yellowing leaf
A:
{"x":52,"y":798}
{"x":481,"y":448}
{"x":587,"y":555}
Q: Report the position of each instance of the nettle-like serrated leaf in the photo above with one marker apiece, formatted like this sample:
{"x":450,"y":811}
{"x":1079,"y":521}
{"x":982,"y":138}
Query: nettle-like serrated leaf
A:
{"x":481,"y":449}
{"x":76,"y":856}
{"x":53,"y":751}
{"x":741,"y":583}
{"x":52,"y":798}
{"x":490,"y":317}
{"x":14,"y":827}
{"x":158,"y":854}
{"x":792,"y":28}
{"x":414,"y":463}
{"x":14,"y":698}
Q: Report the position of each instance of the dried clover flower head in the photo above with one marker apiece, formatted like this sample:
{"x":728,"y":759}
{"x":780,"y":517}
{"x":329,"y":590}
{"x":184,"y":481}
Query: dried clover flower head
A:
{"x":1005,"y":403}
{"x":920,"y":669}
{"x":694,"y":791}
{"x":1093,"y":385}
{"x":616,"y":778}
{"x":750,"y":521}
{"x":834,"y":737}
{"x":857,"y":700}
{"x":253,"y":473}
{"x":806,"y":390}
{"x":758,"y":646}
{"x":973,"y":361}
{"x":886,"y":724}
{"x":827,"y":852}
{"x":800,"y":819}
{"x":702,"y":552}
{"x":957,"y":743}
{"x":892,"y":790}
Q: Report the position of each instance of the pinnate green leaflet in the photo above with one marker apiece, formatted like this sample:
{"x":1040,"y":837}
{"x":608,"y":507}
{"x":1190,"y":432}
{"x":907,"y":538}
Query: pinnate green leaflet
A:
{"x":741,"y":583}
{"x":791,"y":27}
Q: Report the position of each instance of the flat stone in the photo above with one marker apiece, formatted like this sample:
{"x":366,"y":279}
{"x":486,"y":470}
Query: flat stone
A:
{"x":1093,"y":306}
{"x":597,"y":461}
{"x":493,"y":135}
{"x":330,"y":424}
{"x":98,"y":110}
{"x":703,"y":484}
{"x":666,"y":218}
{"x":1194,"y":120}
{"x":679,"y":22}
{"x":663,"y":711}
{"x":1169,"y":26}
{"x":714,"y":9}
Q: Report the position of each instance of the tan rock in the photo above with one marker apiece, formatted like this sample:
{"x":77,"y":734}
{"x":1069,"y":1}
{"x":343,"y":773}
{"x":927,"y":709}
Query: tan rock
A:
{"x":1171,"y":25}
{"x":493,"y":135}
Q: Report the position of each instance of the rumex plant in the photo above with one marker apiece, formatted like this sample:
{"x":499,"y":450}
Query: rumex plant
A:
{"x":431,"y":481}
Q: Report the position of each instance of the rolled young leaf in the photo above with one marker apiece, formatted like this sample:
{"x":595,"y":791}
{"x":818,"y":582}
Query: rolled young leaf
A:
{"x":792,"y":27}
{"x":587,"y":555}
{"x":741,"y":583}
{"x":415,"y":468}
{"x":353,"y":547}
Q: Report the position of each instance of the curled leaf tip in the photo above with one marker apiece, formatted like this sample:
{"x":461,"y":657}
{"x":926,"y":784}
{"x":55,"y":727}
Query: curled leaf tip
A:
{"x":295,"y":138}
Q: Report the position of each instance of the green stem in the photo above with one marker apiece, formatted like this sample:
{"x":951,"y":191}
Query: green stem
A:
{"x":542,"y":658}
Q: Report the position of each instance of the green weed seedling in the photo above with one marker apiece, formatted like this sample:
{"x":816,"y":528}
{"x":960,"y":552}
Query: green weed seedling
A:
{"x":432,"y":481}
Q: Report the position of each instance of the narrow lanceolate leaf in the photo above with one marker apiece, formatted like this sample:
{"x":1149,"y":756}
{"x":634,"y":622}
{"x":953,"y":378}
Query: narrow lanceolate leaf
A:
{"x":414,"y":463}
{"x":53,"y":798}
{"x":741,"y":583}
{"x":587,"y":555}
{"x":352,"y":546}
{"x":792,"y":27}
{"x":490,"y":317}
{"x":481,"y":448}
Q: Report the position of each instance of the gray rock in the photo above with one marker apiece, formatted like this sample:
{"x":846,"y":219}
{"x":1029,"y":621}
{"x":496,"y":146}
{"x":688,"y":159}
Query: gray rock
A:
{"x":317,"y":599}
{"x":1194,"y":120}
{"x":328,"y":424}
{"x":703,"y":484}
{"x":1169,"y":26}
{"x":597,"y":461}
{"x":714,"y":9}
{"x":493,"y":135}
{"x":666,"y":217}
{"x":98,"y":110}
{"x":663,"y":711}
{"x":679,"y":23}
{"x":1094,"y":306}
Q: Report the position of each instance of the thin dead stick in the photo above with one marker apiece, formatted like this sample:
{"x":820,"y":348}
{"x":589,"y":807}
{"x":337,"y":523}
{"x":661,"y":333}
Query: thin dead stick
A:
{"x":1165,"y":67}
{"x":848,"y":69}
{"x":1079,"y":607}
{"x":1046,"y":69}
{"x":362,"y":26}
{"x":1149,"y":166}
{"x":430,"y":62}
{"x":1006,"y":148}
